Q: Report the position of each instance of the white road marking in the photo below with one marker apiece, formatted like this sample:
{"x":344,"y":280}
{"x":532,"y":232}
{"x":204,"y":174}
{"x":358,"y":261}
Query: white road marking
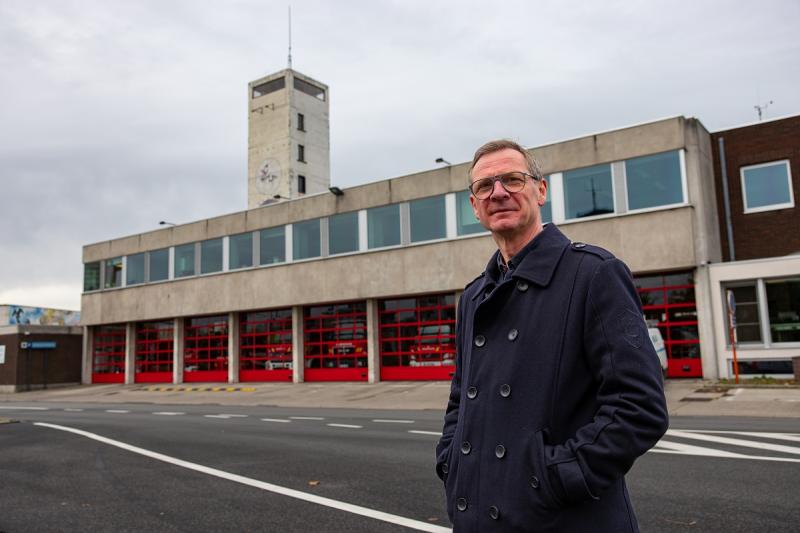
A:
{"x":350,"y":426}
{"x":73,"y":410}
{"x":168,"y":413}
{"x":307,"y":418}
{"x":25,"y":408}
{"x":688,"y":449}
{"x":776,"y":436}
{"x":733,"y":394}
{"x":736,"y":442}
{"x":391,"y":421}
{"x":277,"y":489}
{"x":418,"y":432}
{"x":225,"y":416}
{"x":119,"y":411}
{"x":276,"y":420}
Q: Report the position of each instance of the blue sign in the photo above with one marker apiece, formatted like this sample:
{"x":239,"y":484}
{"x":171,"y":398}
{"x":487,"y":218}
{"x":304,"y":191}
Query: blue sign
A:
{"x":42,"y":345}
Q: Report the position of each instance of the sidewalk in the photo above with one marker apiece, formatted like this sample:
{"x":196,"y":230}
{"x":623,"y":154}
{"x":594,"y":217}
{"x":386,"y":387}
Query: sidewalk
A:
{"x":684,"y":397}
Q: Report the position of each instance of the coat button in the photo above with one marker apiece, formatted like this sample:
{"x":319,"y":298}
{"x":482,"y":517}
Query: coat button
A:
{"x":466,"y":447}
{"x":461,"y":504}
{"x":480,"y":340}
{"x":472,"y":392}
{"x":500,"y":451}
{"x":445,"y":468}
{"x":505,"y":390}
{"x":522,"y":285}
{"x":579,"y":245}
{"x":513,"y":334}
{"x":534,"y":482}
{"x":494,"y":512}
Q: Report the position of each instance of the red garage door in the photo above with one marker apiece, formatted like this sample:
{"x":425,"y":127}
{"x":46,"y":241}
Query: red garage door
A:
{"x":154,"y":352}
{"x":335,"y":342}
{"x":265,"y":346}
{"x":205,"y":349}
{"x":108,"y":354}
{"x":417,"y":337}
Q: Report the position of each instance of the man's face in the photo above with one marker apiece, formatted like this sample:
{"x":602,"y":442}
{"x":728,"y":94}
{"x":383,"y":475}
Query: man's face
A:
{"x":507,"y":213}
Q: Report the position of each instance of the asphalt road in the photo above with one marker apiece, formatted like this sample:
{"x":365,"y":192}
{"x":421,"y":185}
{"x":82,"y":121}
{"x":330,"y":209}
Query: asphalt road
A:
{"x":233,"y":469}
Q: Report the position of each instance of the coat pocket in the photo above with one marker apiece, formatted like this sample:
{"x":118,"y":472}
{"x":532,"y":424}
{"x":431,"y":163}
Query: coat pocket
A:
{"x":539,"y":480}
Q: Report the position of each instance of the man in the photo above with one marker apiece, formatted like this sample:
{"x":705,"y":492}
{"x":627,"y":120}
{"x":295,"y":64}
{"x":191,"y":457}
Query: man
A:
{"x":557,"y":388}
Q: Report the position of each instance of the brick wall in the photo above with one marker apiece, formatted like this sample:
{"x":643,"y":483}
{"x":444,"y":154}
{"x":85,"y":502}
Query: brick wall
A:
{"x":767,"y":233}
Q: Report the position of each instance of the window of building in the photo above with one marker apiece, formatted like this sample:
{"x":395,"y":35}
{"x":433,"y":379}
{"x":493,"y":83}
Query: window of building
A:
{"x":240,"y":251}
{"x":91,"y":276}
{"x":546,"y":211}
{"x":783,"y":303}
{"x":206,"y":344}
{"x":748,"y":324}
{"x":335,"y":336}
{"x":301,"y":122}
{"x":383,"y":226}
{"x":272,"y":245}
{"x":654,"y":180}
{"x":108,"y":353}
{"x":301,"y":153}
{"x":113,"y":273}
{"x":466,"y":222}
{"x":428,"y":219}
{"x":767,"y":186}
{"x":417,"y":337}
{"x":343,"y":233}
{"x":301,"y":184}
{"x":134,"y":269}
{"x":154,"y":350}
{"x":211,"y":256}
{"x":184,"y":260}
{"x":306,"y":239}
{"x":668,"y":302}
{"x":266,"y":344}
{"x":309,"y":89}
{"x":588,"y":192}
{"x":763,"y":366}
{"x":159,"y":264}
{"x":269,"y":87}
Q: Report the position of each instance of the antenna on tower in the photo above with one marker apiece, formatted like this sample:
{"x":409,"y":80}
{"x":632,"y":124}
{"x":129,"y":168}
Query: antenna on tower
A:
{"x":290,"y":37}
{"x":761,"y":109}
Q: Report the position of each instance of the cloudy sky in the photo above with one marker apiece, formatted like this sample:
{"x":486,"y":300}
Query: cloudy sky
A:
{"x":117,"y":114}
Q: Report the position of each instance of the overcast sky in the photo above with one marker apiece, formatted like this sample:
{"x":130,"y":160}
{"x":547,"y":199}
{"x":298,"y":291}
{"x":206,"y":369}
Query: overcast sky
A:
{"x":117,"y":114}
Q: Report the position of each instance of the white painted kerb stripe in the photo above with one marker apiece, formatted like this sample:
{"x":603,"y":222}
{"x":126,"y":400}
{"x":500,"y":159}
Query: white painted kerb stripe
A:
{"x":291,"y":493}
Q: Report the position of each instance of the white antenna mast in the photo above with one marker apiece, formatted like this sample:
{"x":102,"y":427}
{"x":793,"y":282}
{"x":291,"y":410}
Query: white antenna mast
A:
{"x":290,"y":39}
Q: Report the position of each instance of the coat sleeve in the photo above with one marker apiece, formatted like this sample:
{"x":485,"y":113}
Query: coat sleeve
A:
{"x":631,"y":414}
{"x":451,"y":414}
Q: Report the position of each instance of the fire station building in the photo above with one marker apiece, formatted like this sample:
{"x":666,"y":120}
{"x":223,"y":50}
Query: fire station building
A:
{"x":318,"y":283}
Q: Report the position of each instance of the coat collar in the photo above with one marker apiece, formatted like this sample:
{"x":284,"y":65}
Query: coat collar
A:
{"x":539,"y":263}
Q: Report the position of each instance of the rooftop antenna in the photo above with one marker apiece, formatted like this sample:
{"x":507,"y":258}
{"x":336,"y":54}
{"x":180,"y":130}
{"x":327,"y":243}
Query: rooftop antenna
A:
{"x":290,"y":40}
{"x":761,"y":109}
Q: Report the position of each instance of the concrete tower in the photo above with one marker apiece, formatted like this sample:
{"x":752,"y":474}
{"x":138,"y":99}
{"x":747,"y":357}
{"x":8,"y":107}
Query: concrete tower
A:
{"x":288,"y":137}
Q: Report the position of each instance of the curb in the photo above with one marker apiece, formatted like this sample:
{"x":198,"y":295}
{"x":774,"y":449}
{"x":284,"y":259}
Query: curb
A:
{"x":197,"y":389}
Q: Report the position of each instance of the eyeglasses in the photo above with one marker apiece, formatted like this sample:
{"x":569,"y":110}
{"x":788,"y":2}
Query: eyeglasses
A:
{"x":511,"y":181}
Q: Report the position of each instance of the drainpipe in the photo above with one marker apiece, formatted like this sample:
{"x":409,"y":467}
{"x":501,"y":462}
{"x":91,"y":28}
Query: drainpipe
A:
{"x":726,"y":198}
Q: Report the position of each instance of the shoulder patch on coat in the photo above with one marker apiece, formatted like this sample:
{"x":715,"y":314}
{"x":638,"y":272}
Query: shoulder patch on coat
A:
{"x":631,"y":325}
{"x":596,"y":250}
{"x":467,"y":286}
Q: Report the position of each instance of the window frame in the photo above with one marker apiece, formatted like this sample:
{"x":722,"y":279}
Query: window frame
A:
{"x":771,"y":207}
{"x":615,"y":211}
{"x":683,"y":183}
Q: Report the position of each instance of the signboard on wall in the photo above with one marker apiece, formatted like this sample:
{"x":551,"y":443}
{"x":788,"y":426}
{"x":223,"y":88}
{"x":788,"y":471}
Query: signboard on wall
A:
{"x":2,"y":353}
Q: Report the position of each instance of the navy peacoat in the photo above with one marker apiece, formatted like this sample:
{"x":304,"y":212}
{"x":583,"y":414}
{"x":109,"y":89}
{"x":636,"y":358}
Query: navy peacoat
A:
{"x":557,"y":390}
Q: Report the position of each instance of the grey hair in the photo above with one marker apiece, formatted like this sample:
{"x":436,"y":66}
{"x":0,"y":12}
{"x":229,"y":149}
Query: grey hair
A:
{"x":503,"y":144}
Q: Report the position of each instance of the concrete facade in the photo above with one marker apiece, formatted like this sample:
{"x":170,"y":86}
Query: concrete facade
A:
{"x":678,"y":237}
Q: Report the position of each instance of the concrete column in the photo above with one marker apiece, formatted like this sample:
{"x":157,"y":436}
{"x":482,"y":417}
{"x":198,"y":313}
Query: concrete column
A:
{"x":373,"y":346}
{"x":177,"y":350}
{"x":705,"y":323}
{"x":130,"y":352}
{"x":88,"y":354}
{"x":233,"y":347}
{"x":297,"y":344}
